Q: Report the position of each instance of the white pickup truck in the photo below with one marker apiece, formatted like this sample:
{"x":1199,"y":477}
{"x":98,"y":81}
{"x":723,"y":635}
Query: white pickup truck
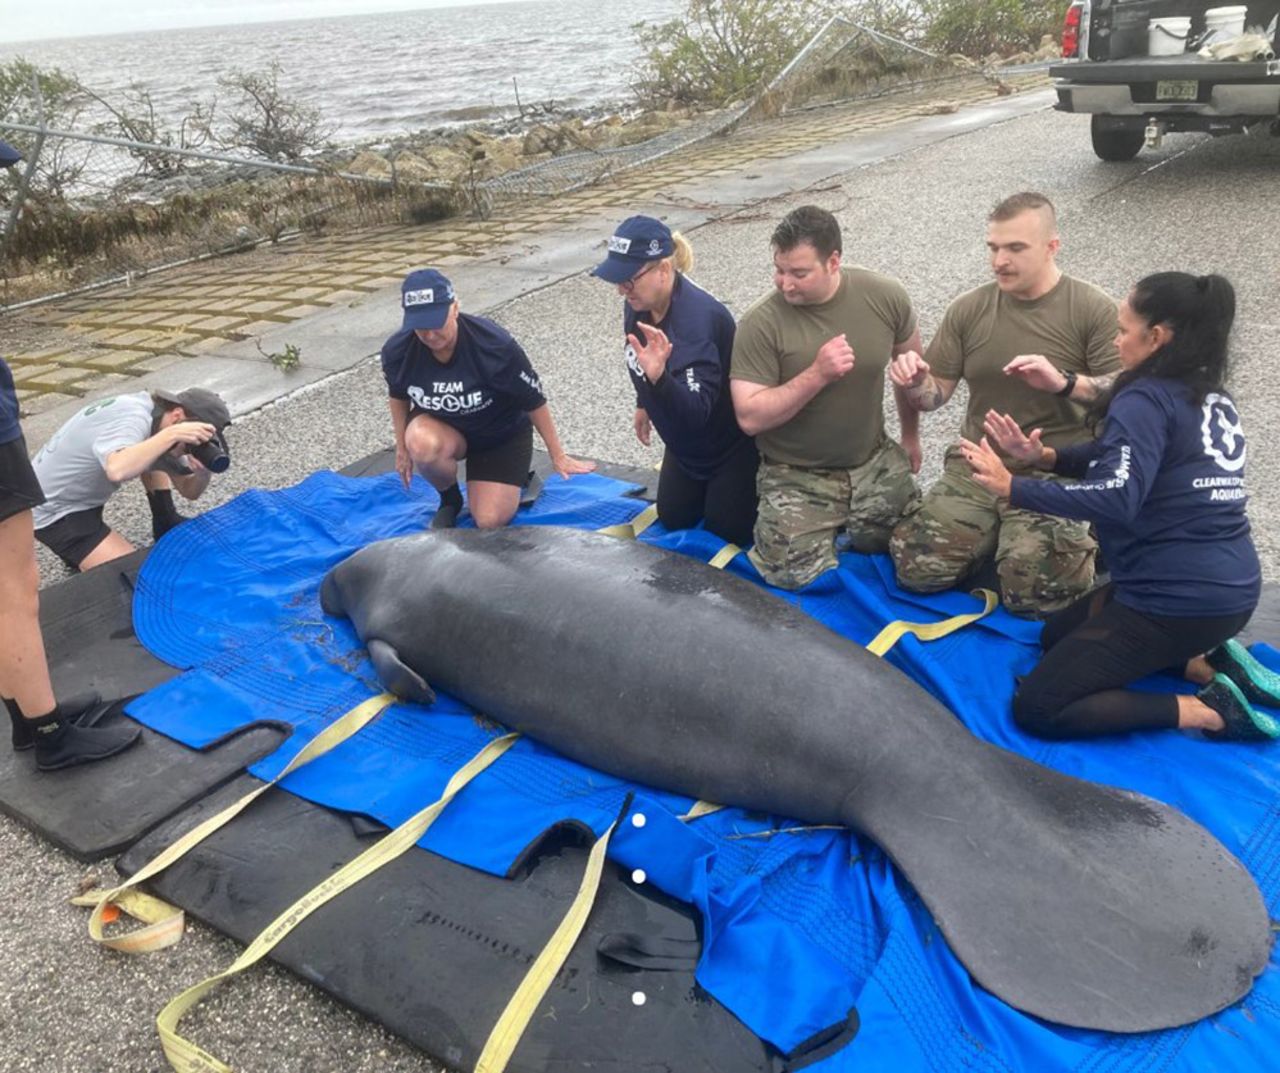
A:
{"x":1136,"y":98}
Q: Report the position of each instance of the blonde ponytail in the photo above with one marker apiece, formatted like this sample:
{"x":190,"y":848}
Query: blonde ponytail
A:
{"x":682,"y":258}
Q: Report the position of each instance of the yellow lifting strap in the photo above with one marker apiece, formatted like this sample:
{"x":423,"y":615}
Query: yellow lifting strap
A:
{"x":700,"y":809}
{"x":506,"y":1034}
{"x":931,"y":631}
{"x":724,"y":556}
{"x":158,"y":934}
{"x":632,"y":529}
{"x":186,"y":1057}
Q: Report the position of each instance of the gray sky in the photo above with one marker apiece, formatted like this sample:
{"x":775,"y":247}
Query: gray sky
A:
{"x":22,"y":20}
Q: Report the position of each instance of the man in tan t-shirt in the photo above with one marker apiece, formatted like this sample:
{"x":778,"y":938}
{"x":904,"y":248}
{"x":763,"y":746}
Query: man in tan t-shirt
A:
{"x":1035,"y":344}
{"x":807,"y":380}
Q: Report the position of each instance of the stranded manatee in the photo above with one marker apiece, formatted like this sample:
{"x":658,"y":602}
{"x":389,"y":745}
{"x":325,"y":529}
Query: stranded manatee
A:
{"x":1075,"y":902}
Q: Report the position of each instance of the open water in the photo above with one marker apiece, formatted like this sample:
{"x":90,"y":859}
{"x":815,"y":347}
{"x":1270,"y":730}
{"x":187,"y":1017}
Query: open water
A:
{"x":380,"y":75}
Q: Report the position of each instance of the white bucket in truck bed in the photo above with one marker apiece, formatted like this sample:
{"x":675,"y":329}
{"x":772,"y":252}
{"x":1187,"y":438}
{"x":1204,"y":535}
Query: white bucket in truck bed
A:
{"x":1168,"y":36}
{"x":1229,"y":20}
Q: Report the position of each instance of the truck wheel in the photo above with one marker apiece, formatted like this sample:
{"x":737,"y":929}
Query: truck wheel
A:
{"x":1115,"y":143}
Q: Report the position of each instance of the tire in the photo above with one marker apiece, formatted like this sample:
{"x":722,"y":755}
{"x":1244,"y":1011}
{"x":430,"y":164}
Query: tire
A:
{"x":1116,"y":143}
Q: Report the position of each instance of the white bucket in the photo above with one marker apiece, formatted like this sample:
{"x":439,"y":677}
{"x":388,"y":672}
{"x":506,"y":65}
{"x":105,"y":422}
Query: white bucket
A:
{"x":1168,"y":36}
{"x":1229,"y":20}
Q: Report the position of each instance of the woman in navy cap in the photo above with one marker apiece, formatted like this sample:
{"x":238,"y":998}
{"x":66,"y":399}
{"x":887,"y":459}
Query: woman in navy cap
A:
{"x":679,"y":340}
{"x":461,"y":388}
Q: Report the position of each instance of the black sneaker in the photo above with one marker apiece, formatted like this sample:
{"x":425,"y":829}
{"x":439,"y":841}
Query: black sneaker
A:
{"x":61,"y":743}
{"x":1258,"y":683}
{"x":1243,"y":721}
{"x":84,"y":709}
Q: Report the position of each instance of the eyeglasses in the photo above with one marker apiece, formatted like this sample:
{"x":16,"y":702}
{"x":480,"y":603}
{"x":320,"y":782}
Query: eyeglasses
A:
{"x":629,"y":285}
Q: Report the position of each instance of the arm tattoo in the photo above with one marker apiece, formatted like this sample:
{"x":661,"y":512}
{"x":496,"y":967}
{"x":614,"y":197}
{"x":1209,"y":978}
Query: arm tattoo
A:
{"x":1090,"y":388}
{"x":927,"y":396}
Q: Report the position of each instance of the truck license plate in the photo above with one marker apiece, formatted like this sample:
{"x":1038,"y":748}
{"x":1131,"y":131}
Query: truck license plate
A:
{"x":1177,"y":91}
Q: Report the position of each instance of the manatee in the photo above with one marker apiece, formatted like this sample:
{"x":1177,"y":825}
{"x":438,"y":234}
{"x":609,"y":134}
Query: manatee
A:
{"x":1079,"y":903}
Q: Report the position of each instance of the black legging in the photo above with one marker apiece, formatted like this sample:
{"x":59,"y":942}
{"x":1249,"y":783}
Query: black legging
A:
{"x":1097,"y":646}
{"x":727,"y":501}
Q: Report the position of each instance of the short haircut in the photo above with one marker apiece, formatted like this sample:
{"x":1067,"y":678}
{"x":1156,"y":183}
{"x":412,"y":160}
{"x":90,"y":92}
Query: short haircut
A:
{"x":1027,"y":201}
{"x":808,"y":224}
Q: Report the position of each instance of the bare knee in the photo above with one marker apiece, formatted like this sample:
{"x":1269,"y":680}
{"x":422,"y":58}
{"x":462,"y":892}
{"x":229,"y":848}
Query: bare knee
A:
{"x":426,"y":442}
{"x":490,"y":517}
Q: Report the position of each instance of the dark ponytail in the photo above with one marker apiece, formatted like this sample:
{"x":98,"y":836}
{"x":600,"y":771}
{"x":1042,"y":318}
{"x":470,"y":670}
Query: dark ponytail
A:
{"x":1199,"y":310}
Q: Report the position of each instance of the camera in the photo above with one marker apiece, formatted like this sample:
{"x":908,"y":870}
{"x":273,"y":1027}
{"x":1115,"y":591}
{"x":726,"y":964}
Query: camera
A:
{"x":212,"y":454}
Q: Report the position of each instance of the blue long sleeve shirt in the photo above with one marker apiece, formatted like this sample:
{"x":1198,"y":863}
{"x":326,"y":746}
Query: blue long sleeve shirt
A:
{"x":1164,"y":484}
{"x":689,"y":404}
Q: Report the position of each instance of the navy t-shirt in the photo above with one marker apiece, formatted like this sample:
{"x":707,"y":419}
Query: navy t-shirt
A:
{"x":10,"y":430}
{"x":1164,"y":485}
{"x":690,"y":405}
{"x":485,"y":390}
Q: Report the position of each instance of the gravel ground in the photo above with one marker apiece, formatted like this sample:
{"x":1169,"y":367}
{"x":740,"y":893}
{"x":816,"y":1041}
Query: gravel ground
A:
{"x":1196,"y":204}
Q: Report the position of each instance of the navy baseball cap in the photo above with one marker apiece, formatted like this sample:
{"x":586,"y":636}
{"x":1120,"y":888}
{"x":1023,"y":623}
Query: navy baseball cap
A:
{"x":9,"y":156}
{"x":426,"y":297}
{"x":637,"y":241}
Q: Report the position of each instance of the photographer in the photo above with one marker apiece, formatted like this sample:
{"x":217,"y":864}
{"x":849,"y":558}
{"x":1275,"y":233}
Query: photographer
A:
{"x":168,"y":440}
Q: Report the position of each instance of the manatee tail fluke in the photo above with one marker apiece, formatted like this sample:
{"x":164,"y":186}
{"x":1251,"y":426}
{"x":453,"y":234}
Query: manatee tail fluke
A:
{"x":1078,"y":903}
{"x":401,"y":680}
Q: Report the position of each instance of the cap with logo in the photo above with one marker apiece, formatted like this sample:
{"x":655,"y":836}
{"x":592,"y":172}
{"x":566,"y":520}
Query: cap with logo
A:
{"x":425,"y":297}
{"x":637,"y":241}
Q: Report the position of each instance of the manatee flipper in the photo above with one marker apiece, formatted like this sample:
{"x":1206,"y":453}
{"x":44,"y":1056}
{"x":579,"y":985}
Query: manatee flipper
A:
{"x":401,"y":680}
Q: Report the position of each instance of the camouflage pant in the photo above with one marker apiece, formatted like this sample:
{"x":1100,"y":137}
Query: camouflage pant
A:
{"x":1044,"y":563}
{"x":802,"y":509}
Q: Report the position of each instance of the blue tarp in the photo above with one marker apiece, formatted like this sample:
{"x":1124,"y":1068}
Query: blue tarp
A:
{"x":799,"y":926}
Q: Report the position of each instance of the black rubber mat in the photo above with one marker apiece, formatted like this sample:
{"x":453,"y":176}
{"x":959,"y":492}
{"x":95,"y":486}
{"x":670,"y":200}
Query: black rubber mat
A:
{"x":433,"y":949}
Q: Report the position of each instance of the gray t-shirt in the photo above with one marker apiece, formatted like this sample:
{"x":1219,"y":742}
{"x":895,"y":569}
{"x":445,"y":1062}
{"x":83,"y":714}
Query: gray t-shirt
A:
{"x":70,"y":465}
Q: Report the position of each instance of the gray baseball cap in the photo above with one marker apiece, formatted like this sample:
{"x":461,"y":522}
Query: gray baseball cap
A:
{"x":200,"y":405}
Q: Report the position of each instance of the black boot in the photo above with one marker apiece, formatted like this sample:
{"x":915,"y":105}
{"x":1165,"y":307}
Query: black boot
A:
{"x":85,"y":710}
{"x":532,"y":488}
{"x":60,"y":743}
{"x":449,"y":509}
{"x":164,"y":515}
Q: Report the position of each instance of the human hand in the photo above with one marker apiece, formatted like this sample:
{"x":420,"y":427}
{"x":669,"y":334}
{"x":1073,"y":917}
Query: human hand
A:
{"x":643,"y":426}
{"x":404,"y":465}
{"x":987,"y":468}
{"x":190,"y":433}
{"x":835,"y":359}
{"x":1037,"y":371}
{"x":1007,"y":434}
{"x":651,"y":355}
{"x":567,"y":466}
{"x":908,"y":370}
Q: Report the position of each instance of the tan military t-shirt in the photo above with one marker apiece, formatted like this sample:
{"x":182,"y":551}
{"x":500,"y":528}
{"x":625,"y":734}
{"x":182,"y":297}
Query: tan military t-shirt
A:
{"x":843,"y":424}
{"x":1074,"y":326}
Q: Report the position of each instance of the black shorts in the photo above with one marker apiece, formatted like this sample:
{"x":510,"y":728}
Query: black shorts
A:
{"x":72,"y":537}
{"x":19,"y":489}
{"x":507,"y":462}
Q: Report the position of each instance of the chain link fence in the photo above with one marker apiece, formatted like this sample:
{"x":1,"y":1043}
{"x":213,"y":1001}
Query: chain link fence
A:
{"x":86,"y":209}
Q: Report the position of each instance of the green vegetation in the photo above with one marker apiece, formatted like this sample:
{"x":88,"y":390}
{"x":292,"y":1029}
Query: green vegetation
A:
{"x":721,"y":51}
{"x":978,"y":28}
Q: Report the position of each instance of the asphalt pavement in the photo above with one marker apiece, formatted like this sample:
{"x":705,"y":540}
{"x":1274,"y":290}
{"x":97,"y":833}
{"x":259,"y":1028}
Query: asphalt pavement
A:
{"x":1195,"y":204}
